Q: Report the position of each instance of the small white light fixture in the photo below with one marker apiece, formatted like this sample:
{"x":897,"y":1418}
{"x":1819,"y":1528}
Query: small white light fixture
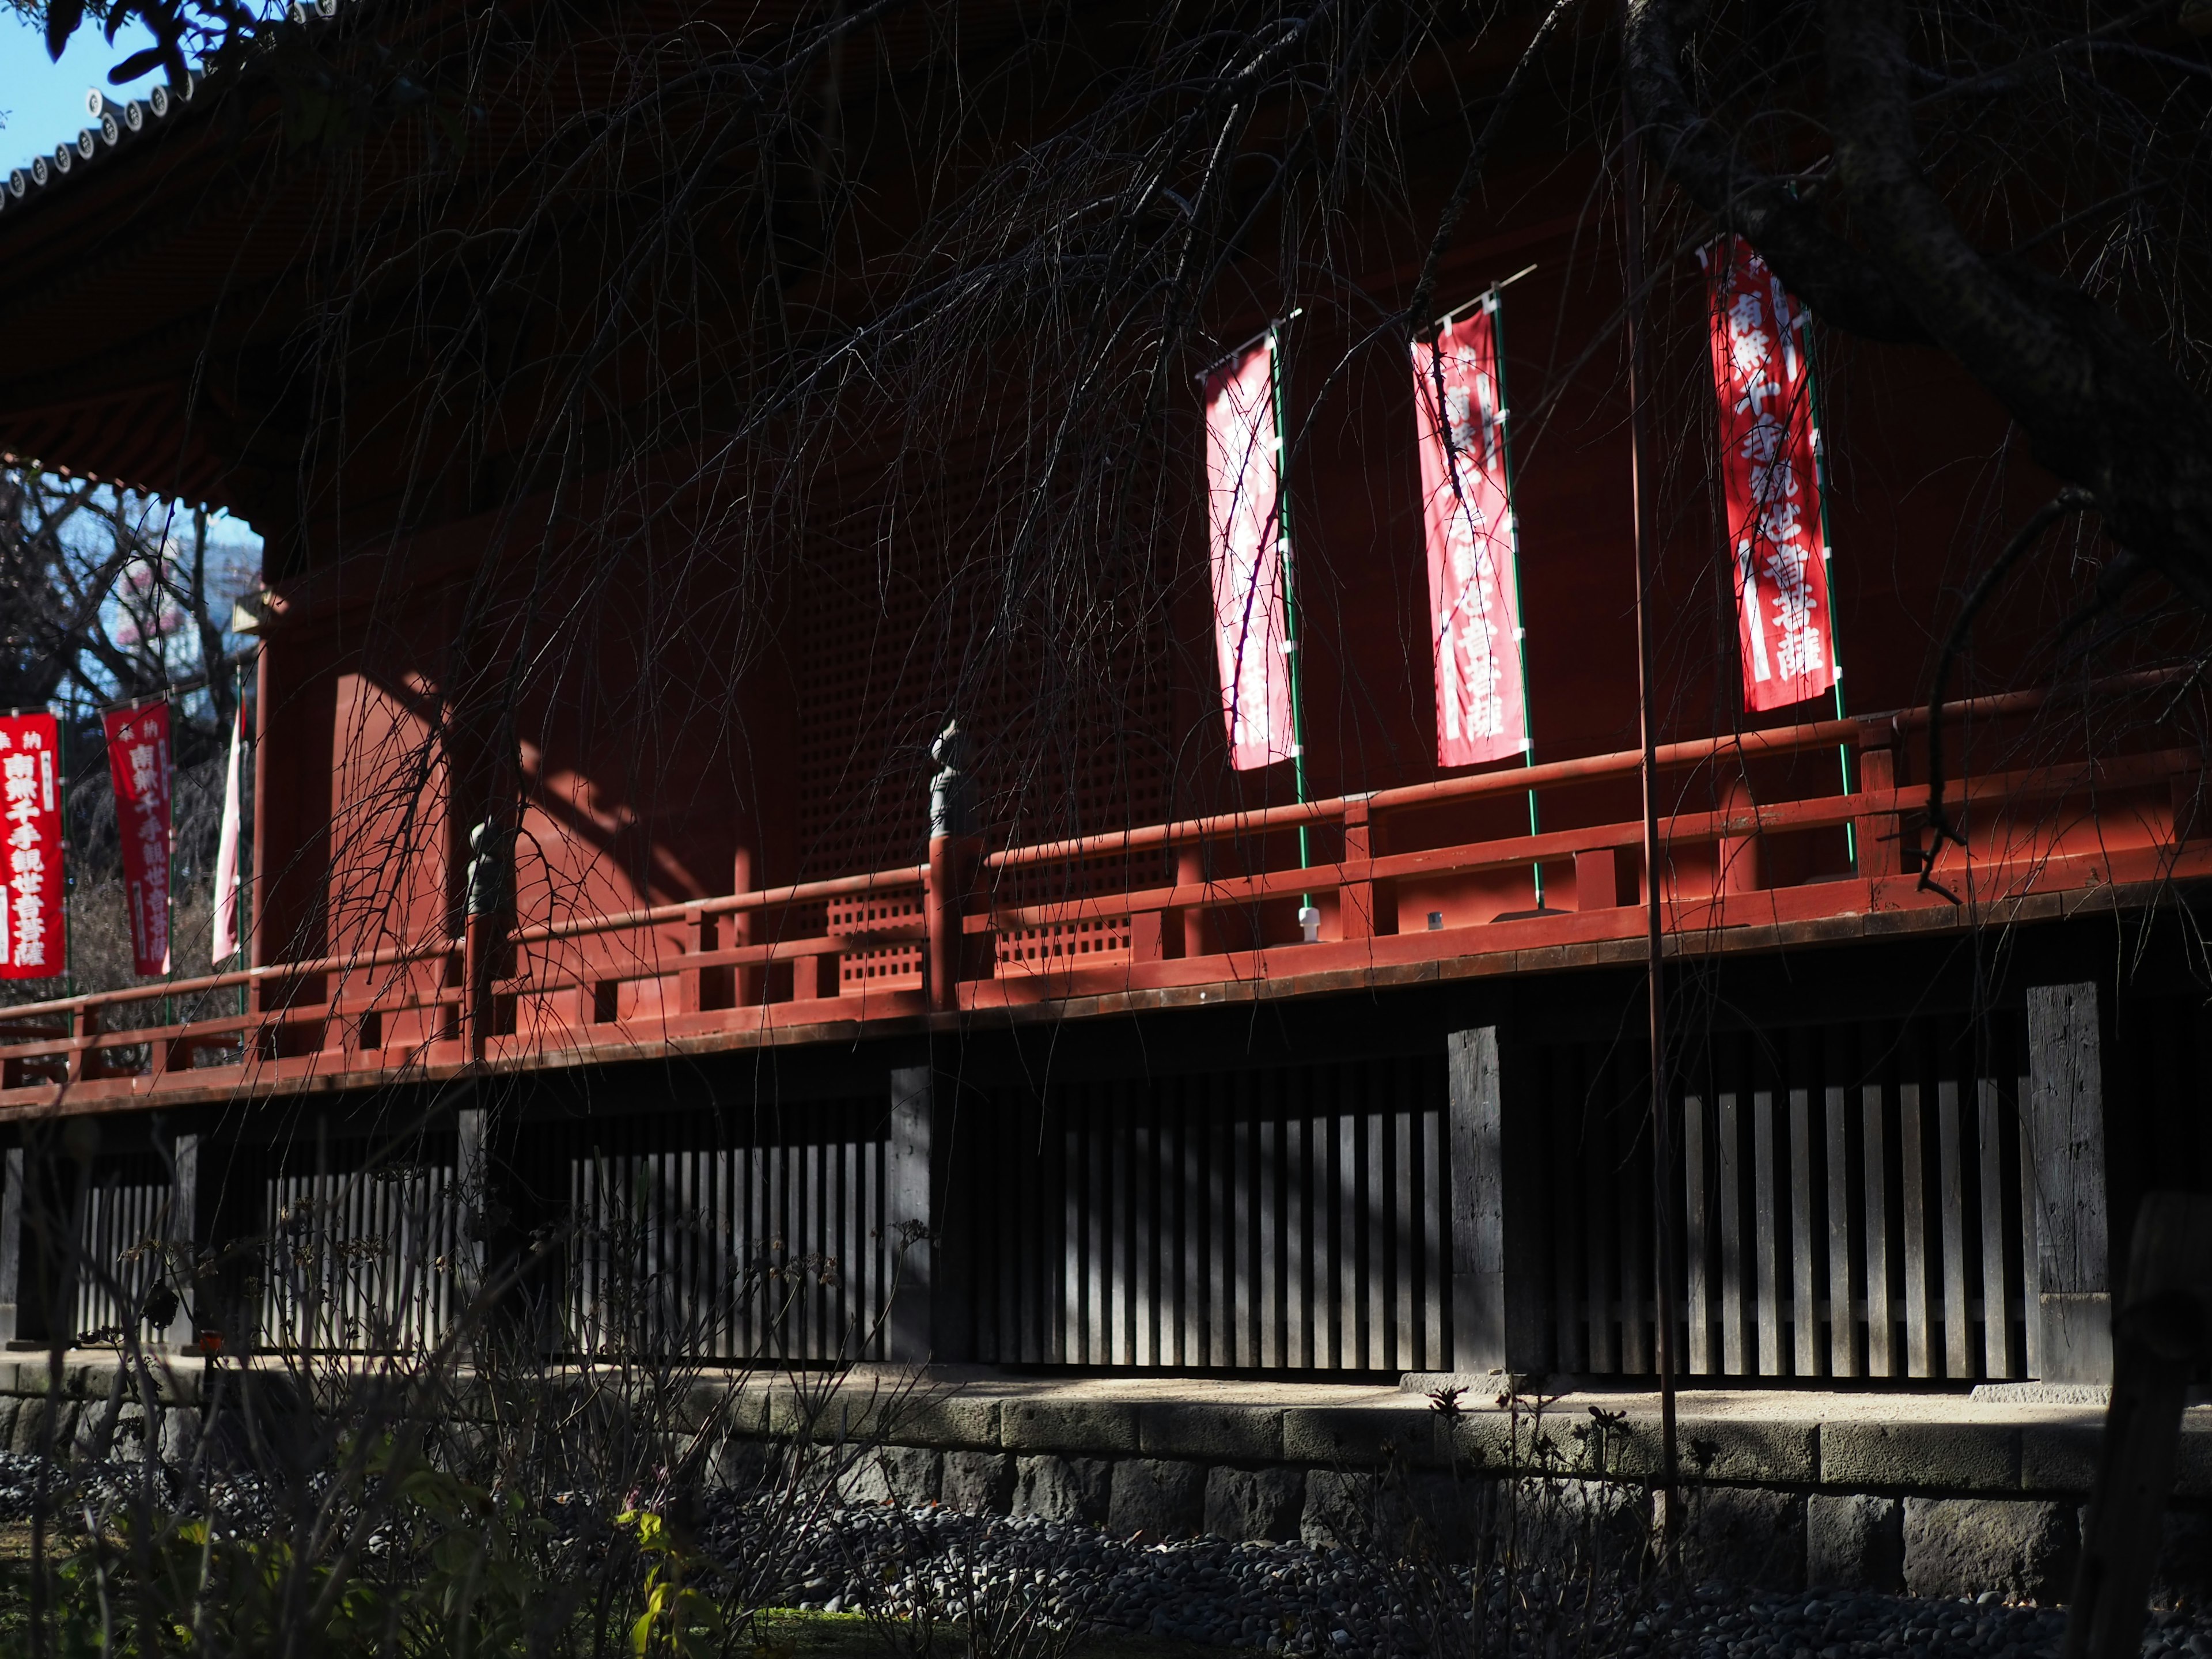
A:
{"x":1309,"y":923}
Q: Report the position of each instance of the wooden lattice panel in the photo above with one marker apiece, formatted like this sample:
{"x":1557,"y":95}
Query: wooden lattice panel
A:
{"x":868,"y":966}
{"x":895,"y":602}
{"x":1064,"y":944}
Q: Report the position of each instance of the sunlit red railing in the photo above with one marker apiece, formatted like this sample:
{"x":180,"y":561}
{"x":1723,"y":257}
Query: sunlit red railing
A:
{"x":1400,"y":882}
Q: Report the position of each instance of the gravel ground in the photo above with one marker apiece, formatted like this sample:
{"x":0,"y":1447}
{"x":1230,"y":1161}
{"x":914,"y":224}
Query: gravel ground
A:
{"x":1295,"y":1599}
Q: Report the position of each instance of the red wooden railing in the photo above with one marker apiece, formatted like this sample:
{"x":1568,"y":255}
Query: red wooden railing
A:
{"x":1177,"y":909}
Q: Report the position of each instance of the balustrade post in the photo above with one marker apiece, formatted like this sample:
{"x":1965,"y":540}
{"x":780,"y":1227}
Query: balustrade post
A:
{"x":490,"y":909}
{"x":1876,"y":834}
{"x":84,"y":1025}
{"x":693,"y":985}
{"x":946,"y":884}
{"x":1355,"y":900}
{"x":748,"y":986}
{"x":1742,"y":856}
{"x":1190,"y":871}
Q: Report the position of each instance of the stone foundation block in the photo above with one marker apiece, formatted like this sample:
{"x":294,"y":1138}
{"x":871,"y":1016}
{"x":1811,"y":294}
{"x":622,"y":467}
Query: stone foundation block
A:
{"x":1064,"y":1488}
{"x":2185,"y":1560}
{"x":977,"y":1480}
{"x":1341,"y":1509}
{"x":905,"y":1475}
{"x":741,"y":1465}
{"x":1157,"y":1496}
{"x":1855,"y":1542}
{"x":1255,"y":1505}
{"x":1749,"y":1535}
{"x":1061,"y":1425}
{"x":1964,"y":1545}
{"x":1217,"y":1433}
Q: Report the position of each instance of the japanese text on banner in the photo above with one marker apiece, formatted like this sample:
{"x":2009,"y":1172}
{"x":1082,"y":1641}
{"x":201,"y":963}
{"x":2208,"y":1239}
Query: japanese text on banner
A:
{"x":1244,"y":479}
{"x":34,"y":923}
{"x":1467,"y":513}
{"x":138,"y":764}
{"x":1771,"y":480}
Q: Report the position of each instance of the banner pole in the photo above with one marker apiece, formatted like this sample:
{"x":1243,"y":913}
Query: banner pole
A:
{"x":1827,"y":559}
{"x":1520,"y":610}
{"x":1641,"y":481}
{"x":1293,"y":634}
{"x":68,"y":846}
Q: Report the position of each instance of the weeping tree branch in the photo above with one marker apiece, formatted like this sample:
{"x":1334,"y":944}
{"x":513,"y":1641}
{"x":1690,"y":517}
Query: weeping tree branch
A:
{"x":2104,"y":409}
{"x":1940,"y":828}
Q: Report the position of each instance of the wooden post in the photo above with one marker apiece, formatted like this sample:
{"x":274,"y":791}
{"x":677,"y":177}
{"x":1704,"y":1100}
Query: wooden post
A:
{"x":1498,"y":1321}
{"x":471,"y":1179}
{"x":748,"y":985}
{"x":1190,"y":871}
{"x":182,"y":1236}
{"x":698,"y":938}
{"x":944,"y":908}
{"x":1875,"y":833}
{"x":1597,"y":880}
{"x":84,"y":1025}
{"x":2163,"y":1333}
{"x":11,"y":1247}
{"x":1355,"y":900}
{"x":1742,"y":856}
{"x":2065,"y":1122}
{"x":478,"y":950}
{"x":910,"y":1213}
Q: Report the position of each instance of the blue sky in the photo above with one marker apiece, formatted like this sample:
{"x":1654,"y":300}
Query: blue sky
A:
{"x":44,"y":101}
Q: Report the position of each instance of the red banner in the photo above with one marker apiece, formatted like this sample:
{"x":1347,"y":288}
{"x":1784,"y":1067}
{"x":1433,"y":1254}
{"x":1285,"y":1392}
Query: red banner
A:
{"x":138,"y":762}
{"x":33,"y":923}
{"x":1771,"y":480}
{"x":1244,"y":479}
{"x":1467,"y":511}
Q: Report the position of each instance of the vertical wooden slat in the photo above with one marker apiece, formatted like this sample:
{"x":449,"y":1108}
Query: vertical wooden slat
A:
{"x":1298,"y":1230}
{"x":1271,"y":1240}
{"x":1224,"y":1242}
{"x":1142,"y":1161}
{"x":1374,"y":1301}
{"x":1882,"y":1346}
{"x":1958,"y":1334}
{"x":1766,"y":1238}
{"x":1404,"y":1205}
{"x":1804,"y":1286}
{"x":1245,"y":1276}
{"x":1842,"y":1327}
{"x":1638,"y":1325}
{"x":1697,"y":1243}
{"x":1345,"y":1318}
{"x":1733,"y":1254}
{"x":1436,"y":1345}
{"x":1097,"y":1236}
{"x":1918,"y":1360}
{"x":1190,"y":1125}
{"x":1121,"y":1315}
{"x":1997,"y":1346}
{"x":1600,"y":1171}
{"x":2031,"y":1272}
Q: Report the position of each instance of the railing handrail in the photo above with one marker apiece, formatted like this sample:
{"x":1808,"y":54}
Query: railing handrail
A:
{"x":1866,"y":730}
{"x":390,"y":958}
